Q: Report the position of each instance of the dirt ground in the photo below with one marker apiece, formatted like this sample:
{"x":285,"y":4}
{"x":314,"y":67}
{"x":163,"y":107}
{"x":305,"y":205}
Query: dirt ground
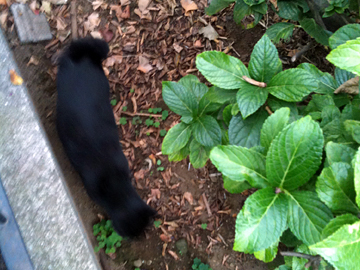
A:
{"x":164,"y":191}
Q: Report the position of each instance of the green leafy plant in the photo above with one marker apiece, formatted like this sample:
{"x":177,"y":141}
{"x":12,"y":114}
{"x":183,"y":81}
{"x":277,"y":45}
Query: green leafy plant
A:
{"x":313,"y":15}
{"x":123,"y":121}
{"x":198,"y":130}
{"x":204,"y":226}
{"x":113,"y":102}
{"x":157,"y":223}
{"x":106,"y":236}
{"x":124,"y":108}
{"x":164,"y":115}
{"x":149,"y":122}
{"x":162,"y":132}
{"x":198,"y":265}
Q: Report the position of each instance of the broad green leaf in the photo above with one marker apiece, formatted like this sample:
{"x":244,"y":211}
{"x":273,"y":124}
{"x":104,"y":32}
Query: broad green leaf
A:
{"x":336,"y":152}
{"x":227,"y":114}
{"x":240,"y":164}
{"x":343,"y":34}
{"x":199,"y":154}
{"x":341,"y":249}
{"x":342,"y":76}
{"x":246,"y":132}
{"x":241,"y":9}
{"x":235,"y":187}
{"x":176,"y":138}
{"x":335,"y":187}
{"x":283,"y":267}
{"x":327,"y":84}
{"x":315,"y":31}
{"x":273,"y":125}
{"x":328,"y":114}
{"x":181,"y":154}
{"x":207,"y":131}
{"x":219,"y":95}
{"x":350,"y":112}
{"x":307,"y":216}
{"x":279,"y":31}
{"x":315,"y":115}
{"x":221,"y":69}
{"x":267,"y":255}
{"x":235,"y":109}
{"x":356,"y":165}
{"x":318,"y":102}
{"x":259,"y":10}
{"x":353,"y":128}
{"x":264,"y":61}
{"x":295,"y":154}
{"x":179,"y":99}
{"x":217,"y":5}
{"x":254,"y":2}
{"x":347,"y":56}
{"x":289,"y":10}
{"x":191,"y":82}
{"x":207,"y":107}
{"x":292,"y":84}
{"x":250,"y":98}
{"x":337,"y":223}
{"x":261,"y":221}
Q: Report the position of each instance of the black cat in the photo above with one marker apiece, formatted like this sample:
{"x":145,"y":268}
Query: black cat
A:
{"x":88,"y":132}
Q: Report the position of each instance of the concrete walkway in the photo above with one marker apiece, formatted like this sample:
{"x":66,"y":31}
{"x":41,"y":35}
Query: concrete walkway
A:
{"x":49,"y":224}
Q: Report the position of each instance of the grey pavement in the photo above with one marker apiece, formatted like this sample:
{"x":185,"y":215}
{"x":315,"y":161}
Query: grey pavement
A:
{"x":51,"y":229}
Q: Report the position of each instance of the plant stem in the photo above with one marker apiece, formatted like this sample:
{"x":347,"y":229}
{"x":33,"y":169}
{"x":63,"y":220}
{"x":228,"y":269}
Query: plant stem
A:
{"x":316,"y":14}
{"x":253,"y":82}
{"x":297,"y":254}
{"x":302,"y":51}
{"x":142,"y":114}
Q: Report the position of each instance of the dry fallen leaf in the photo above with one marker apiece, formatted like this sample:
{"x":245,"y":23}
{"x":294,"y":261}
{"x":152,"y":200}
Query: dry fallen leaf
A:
{"x":188,"y":5}
{"x":46,"y":7}
{"x":15,"y":78}
{"x":188,"y":196}
{"x":98,"y":3}
{"x":197,"y":43}
{"x":177,"y":47}
{"x":32,"y":5}
{"x":60,"y":24}
{"x":110,"y":61}
{"x":3,"y":2}
{"x":92,"y":21}
{"x":144,"y":65}
{"x":107,"y":34}
{"x":274,"y":2}
{"x":139,"y":174}
{"x":175,"y":256}
{"x":165,"y":238}
{"x":209,"y":32}
{"x":96,"y":34}
{"x":143,"y":4}
{"x":3,"y":18}
{"x":126,"y":13}
{"x":33,"y":61}
{"x":349,"y":87}
{"x":125,"y":2}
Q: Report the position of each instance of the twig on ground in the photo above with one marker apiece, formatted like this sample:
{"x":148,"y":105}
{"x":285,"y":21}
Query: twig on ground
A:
{"x":142,"y":114}
{"x":313,"y":260}
{"x":302,"y":51}
{"x":207,"y":205}
{"x":74,"y":30}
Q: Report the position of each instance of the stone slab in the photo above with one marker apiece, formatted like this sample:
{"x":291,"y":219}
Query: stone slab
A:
{"x":30,"y":27}
{"x":43,"y":208}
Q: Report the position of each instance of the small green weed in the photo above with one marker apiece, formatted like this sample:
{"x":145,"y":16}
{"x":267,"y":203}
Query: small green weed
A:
{"x":154,"y":110}
{"x":204,"y":226}
{"x":149,"y":122}
{"x":162,"y":132}
{"x":156,"y":124}
{"x":124,"y":108}
{"x":136,"y":120}
{"x":132,"y":90}
{"x":113,"y":102}
{"x":123,"y":121}
{"x":198,"y":265}
{"x":106,"y":236}
{"x":157,"y":223}
{"x":164,"y":114}
{"x":158,"y":162}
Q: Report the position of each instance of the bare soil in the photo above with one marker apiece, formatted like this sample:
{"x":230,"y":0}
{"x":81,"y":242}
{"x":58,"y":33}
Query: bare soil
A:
{"x":163,"y":190}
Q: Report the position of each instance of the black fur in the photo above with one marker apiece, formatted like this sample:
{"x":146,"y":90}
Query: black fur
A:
{"x":88,"y":132}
